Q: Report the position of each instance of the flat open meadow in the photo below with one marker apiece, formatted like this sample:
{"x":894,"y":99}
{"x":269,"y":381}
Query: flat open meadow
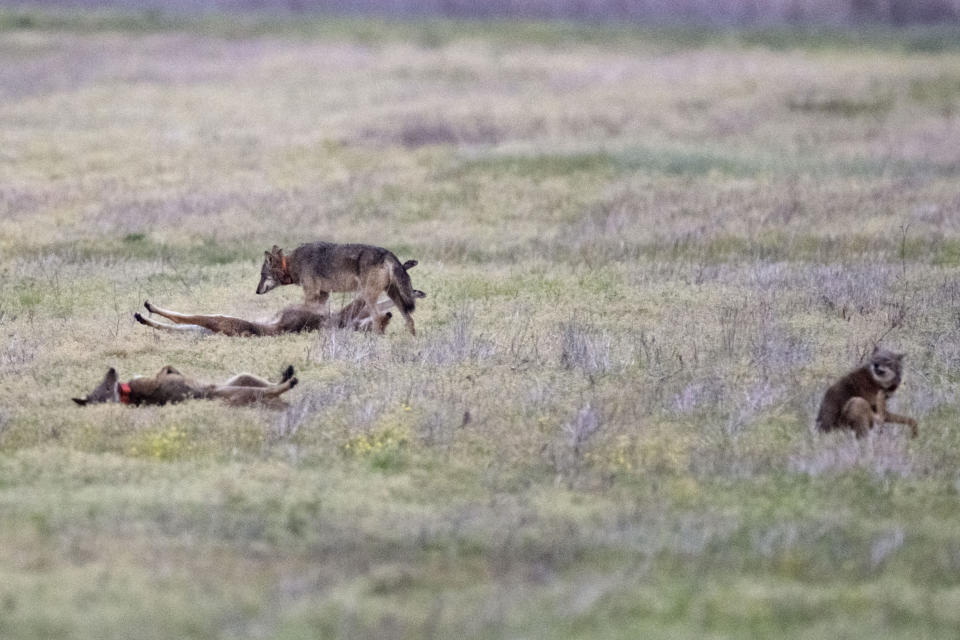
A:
{"x":646,"y":255}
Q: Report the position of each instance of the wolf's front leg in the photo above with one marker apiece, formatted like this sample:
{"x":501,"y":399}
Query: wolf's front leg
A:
{"x":880,"y":409}
{"x":910,"y":422}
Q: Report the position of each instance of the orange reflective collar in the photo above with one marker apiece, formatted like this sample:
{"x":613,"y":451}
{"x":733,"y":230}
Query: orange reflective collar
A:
{"x":124,"y":392}
{"x":285,"y":277}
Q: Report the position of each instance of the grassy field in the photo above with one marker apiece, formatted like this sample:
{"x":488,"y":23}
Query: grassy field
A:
{"x":646,"y":255}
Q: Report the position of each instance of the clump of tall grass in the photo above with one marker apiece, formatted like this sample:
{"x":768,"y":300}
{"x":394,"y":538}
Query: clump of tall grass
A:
{"x":345,"y":345}
{"x":287,"y":424}
{"x":882,"y":453}
{"x":745,"y":406}
{"x":567,"y":452}
{"x":17,"y":352}
{"x":458,"y":342}
{"x":584,"y":348}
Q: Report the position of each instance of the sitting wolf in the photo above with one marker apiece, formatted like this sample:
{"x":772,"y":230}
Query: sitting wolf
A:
{"x":858,"y":400}
{"x":169,"y":385}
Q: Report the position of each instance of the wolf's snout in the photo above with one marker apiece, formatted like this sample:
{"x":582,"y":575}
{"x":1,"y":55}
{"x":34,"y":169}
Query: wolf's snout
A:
{"x":266,"y":284}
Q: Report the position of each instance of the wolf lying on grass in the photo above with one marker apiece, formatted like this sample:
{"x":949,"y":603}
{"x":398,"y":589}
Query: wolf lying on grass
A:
{"x":858,"y":400}
{"x":169,"y":385}
{"x":322,"y":267}
{"x":293,"y":319}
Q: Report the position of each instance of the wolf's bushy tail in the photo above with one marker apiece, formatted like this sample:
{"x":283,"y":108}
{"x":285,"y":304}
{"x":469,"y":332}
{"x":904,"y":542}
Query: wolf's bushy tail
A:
{"x":828,"y":416}
{"x":400,"y":289}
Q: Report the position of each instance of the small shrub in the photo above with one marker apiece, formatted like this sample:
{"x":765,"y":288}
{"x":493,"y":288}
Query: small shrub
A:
{"x":287,"y":425}
{"x":169,"y":444}
{"x":344,"y":345}
{"x":881,"y":454}
{"x":382,"y":448}
{"x":458,"y":343}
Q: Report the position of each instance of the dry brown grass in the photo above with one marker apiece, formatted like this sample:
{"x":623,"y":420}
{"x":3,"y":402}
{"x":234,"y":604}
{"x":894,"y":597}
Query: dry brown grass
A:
{"x":644,"y":262}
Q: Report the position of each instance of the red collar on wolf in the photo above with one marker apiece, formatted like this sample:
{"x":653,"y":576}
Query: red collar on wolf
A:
{"x":124,"y":388}
{"x":285,"y":277}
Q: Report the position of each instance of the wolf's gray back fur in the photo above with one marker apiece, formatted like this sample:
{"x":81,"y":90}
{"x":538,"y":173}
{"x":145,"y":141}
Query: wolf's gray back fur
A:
{"x":329,"y":260}
{"x":333,"y":262}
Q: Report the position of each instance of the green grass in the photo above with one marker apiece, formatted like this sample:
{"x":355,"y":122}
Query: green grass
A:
{"x":646,"y":253}
{"x":434,"y":33}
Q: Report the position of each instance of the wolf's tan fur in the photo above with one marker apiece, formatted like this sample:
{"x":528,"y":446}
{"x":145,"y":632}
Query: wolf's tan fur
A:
{"x":293,"y":319}
{"x":169,"y":386}
{"x":858,"y":400}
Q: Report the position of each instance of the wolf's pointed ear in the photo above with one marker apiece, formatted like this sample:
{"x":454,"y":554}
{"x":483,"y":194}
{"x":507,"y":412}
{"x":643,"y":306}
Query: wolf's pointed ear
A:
{"x":80,"y":401}
{"x":275,"y":249}
{"x":106,"y":391}
{"x":267,"y":254}
{"x":409,"y":264}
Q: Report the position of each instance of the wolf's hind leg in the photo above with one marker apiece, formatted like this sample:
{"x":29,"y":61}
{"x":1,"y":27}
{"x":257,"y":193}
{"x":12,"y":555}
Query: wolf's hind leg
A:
{"x":352,"y":315}
{"x":172,"y":328}
{"x":243,"y":395}
{"x":250,"y":380}
{"x":858,"y":414}
{"x":216,"y":323}
{"x":409,"y":320}
{"x":179,"y":318}
{"x":246,"y":380}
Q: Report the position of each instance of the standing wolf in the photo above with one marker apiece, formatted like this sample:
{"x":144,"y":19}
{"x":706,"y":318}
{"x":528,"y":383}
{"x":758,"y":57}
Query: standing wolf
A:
{"x":322,"y":267}
{"x":858,"y":400}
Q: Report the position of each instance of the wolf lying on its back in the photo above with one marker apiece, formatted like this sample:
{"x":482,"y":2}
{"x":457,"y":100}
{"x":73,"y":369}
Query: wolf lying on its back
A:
{"x":169,"y":385}
{"x":293,"y":319}
{"x":322,"y":267}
